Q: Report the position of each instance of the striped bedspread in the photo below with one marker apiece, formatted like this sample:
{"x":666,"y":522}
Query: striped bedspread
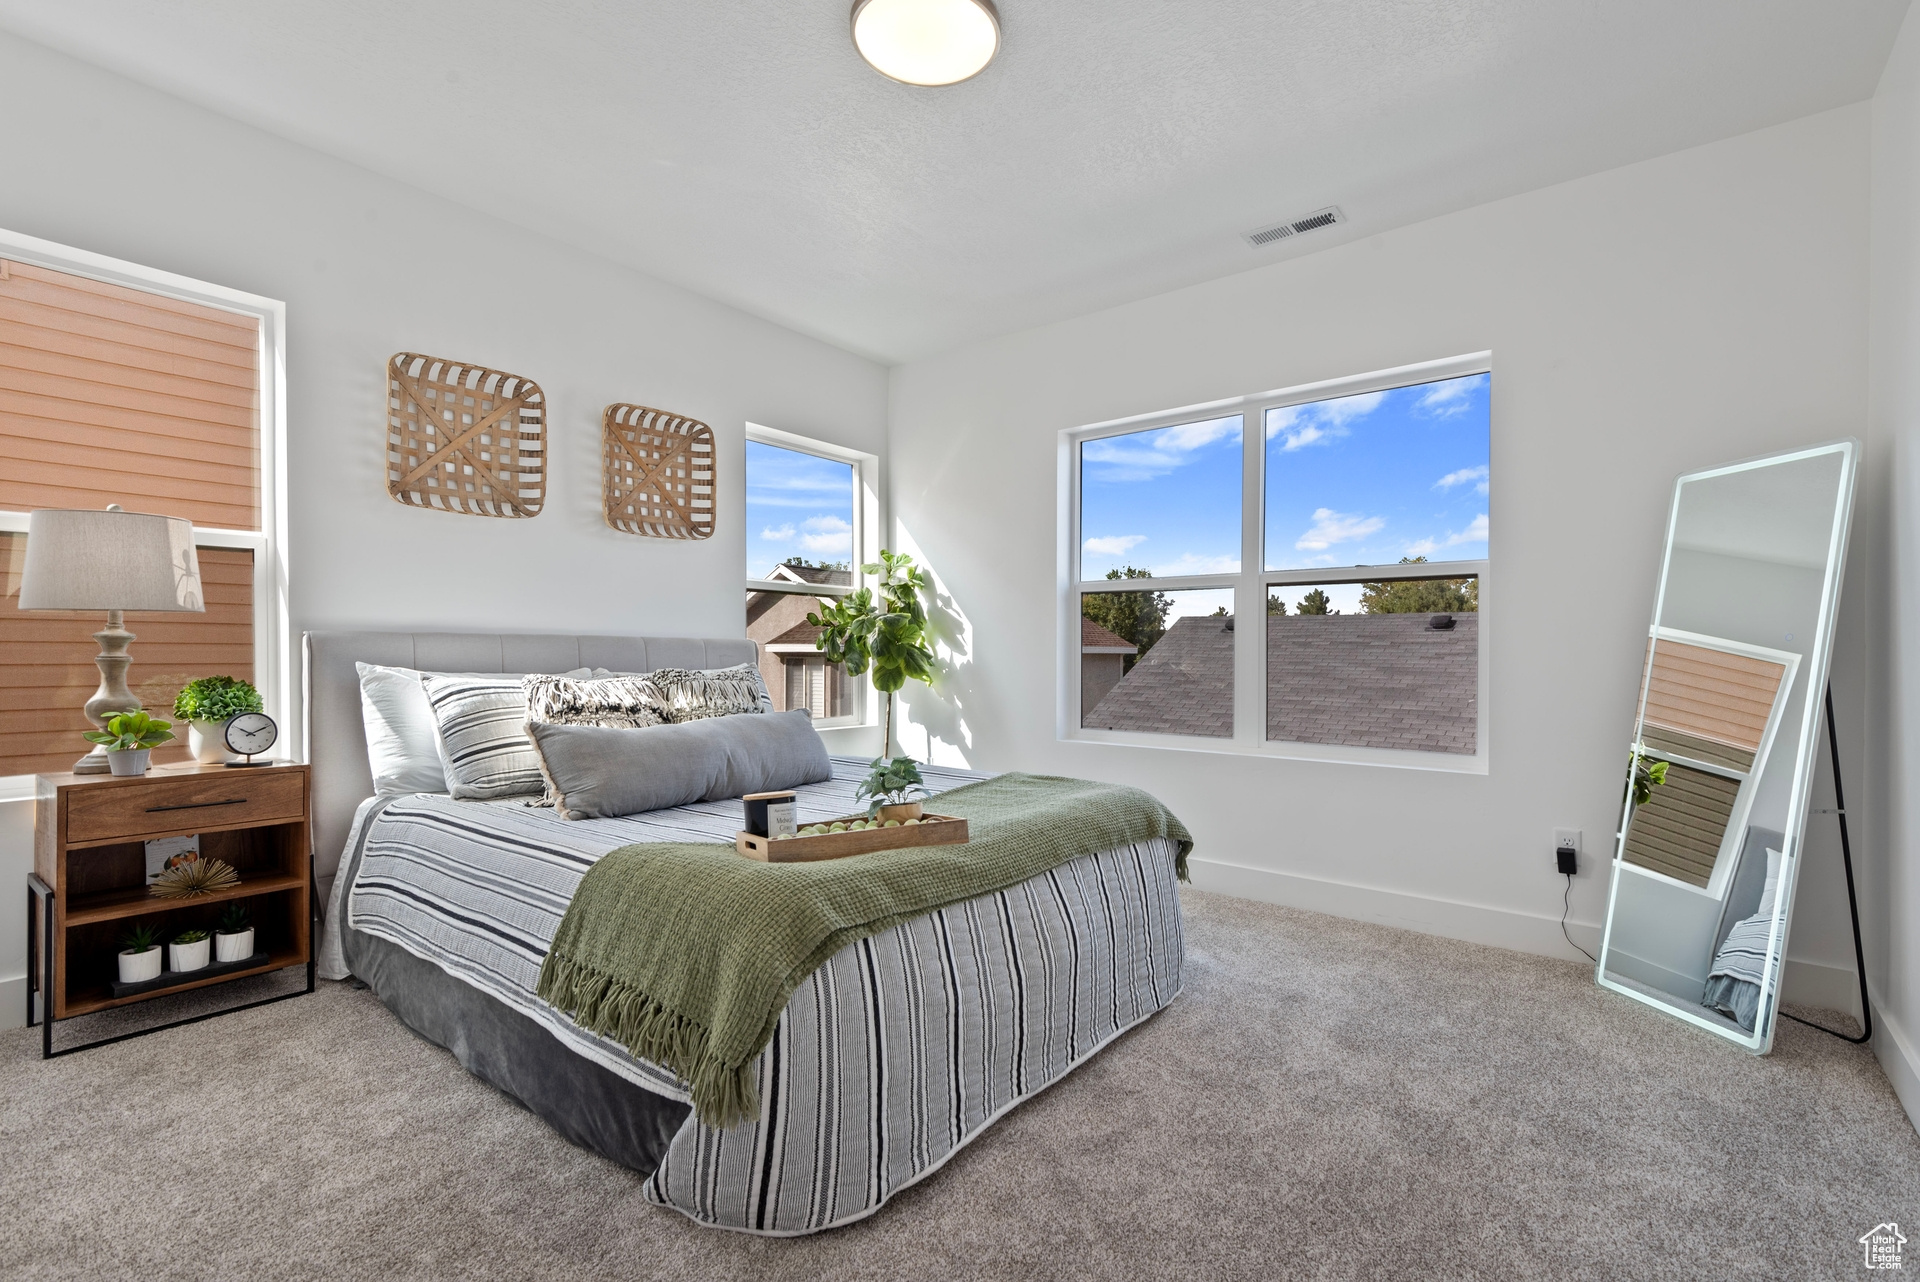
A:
{"x":887,"y":1060}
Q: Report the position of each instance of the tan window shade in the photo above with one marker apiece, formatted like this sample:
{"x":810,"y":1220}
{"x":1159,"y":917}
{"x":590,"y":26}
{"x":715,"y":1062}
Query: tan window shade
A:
{"x":115,"y":395}
{"x":46,"y":660}
{"x":1710,"y":694}
{"x":1678,"y":832}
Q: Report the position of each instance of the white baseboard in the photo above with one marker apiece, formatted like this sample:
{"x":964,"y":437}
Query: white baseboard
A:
{"x":1898,"y":1060}
{"x":1803,"y":982}
{"x":13,"y":1002}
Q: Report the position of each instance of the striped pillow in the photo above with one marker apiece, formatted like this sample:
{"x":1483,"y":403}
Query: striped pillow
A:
{"x":480,"y":722}
{"x":713,"y":692}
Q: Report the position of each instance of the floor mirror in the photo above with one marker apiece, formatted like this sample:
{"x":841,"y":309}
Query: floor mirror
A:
{"x":1725,"y":737}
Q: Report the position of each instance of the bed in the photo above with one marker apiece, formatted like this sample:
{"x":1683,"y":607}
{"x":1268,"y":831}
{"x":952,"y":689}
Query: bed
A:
{"x":886,"y":1061}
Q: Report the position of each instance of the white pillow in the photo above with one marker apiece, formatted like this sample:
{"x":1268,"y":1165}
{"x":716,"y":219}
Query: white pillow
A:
{"x":402,"y":746}
{"x":403,"y":740}
{"x":1772,"y":890}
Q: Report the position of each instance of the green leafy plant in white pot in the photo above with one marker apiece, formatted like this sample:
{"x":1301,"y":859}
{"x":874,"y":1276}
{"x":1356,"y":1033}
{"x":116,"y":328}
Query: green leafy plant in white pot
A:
{"x":130,"y":738}
{"x":206,"y":705}
{"x":190,"y":950}
{"x":233,"y":941}
{"x":140,"y":955}
{"x":892,"y":789}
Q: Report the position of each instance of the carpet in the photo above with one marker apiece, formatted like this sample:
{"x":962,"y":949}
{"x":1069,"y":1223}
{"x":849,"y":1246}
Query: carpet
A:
{"x":1328,"y":1099}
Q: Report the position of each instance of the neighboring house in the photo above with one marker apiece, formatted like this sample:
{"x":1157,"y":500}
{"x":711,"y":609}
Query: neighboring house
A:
{"x":1103,"y":661}
{"x":1363,"y":680}
{"x":796,"y":673}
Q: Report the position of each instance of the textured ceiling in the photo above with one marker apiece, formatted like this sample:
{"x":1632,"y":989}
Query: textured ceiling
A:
{"x":1117,"y":148}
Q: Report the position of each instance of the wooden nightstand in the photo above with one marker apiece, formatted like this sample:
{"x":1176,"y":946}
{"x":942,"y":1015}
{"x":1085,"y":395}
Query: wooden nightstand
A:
{"x":89,"y":882}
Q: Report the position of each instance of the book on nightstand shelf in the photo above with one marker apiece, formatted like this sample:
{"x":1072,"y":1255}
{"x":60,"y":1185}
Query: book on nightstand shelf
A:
{"x":100,"y":839}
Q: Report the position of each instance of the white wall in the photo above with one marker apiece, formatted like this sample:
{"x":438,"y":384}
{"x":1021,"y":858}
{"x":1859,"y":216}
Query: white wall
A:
{"x":369,"y":267}
{"x":1891,"y":852}
{"x":1683,"y":312}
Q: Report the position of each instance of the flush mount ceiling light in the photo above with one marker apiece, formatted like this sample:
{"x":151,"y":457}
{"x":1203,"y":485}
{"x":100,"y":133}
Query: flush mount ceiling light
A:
{"x":926,"y":42}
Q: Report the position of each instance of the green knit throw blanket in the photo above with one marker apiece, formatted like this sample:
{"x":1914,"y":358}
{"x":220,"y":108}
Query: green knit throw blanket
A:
{"x":686,"y":954}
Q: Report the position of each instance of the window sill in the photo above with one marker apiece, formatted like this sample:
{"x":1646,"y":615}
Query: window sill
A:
{"x":1325,"y":753}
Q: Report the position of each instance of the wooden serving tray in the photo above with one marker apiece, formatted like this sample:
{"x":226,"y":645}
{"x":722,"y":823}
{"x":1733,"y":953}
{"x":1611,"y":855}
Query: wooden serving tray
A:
{"x":932,"y":830}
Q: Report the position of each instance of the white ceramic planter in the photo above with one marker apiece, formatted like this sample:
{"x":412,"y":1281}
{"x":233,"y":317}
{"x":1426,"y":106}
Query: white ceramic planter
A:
{"x":129,"y":761}
{"x":235,"y":947}
{"x":207,"y":741}
{"x":137,"y":967}
{"x":186,"y":957}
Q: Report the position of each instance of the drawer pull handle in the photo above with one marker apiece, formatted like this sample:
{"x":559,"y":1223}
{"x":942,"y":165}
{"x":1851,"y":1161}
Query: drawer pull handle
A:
{"x":196,"y":805}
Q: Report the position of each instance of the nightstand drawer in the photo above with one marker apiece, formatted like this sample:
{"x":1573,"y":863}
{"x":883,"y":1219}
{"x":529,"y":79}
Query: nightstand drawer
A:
{"x":202,"y":800}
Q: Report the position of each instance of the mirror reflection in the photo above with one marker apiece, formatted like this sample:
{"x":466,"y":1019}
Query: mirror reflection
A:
{"x":1722,"y":753}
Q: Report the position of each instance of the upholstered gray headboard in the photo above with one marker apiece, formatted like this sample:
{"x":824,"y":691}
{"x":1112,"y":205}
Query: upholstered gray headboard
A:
{"x":336,"y":739}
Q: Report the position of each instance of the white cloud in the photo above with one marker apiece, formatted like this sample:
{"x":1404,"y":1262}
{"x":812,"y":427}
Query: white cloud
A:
{"x":1462,"y":477}
{"x":826,"y":534}
{"x":1331,"y":527}
{"x":1476,"y":532}
{"x":1450,"y":397}
{"x":1190,"y":563}
{"x":1115,"y":545}
{"x":1144,"y":456}
{"x":780,"y":534}
{"x":1304,"y":425}
{"x":828,"y":524}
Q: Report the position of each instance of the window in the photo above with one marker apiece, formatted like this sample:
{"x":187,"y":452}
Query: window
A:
{"x":807,"y":518}
{"x":1351,"y":522}
{"x":122,"y":385}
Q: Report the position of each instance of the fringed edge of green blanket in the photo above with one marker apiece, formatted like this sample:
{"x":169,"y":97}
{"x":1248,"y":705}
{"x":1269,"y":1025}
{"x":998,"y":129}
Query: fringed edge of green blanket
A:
{"x":723,"y":1094}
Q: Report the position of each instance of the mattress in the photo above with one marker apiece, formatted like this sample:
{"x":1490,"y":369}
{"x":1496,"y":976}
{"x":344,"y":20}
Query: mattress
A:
{"x":886,"y":1061}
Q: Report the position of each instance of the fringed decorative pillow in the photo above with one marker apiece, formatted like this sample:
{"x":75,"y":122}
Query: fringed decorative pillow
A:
{"x":618,"y":701}
{"x":715,"y":692}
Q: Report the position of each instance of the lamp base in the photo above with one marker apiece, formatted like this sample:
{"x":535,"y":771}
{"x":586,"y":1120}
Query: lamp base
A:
{"x":113,"y":697}
{"x":94,"y":763}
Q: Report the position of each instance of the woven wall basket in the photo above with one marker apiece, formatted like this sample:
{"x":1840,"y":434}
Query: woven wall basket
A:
{"x":465,"y":439}
{"x":657,"y":473}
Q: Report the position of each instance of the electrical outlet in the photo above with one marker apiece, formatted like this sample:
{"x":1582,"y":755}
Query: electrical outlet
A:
{"x":1566,"y":849}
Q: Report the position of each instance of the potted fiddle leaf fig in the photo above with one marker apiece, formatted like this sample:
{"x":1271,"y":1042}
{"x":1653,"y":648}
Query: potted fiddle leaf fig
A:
{"x":130,"y":738}
{"x":887,"y":633}
{"x":139,"y":954}
{"x":188,"y":951}
{"x":891,"y":787}
{"x":233,"y":941}
{"x":207,"y":705}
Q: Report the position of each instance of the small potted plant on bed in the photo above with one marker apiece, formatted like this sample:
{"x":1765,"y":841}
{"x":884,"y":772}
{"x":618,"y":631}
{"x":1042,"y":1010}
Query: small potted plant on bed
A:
{"x":233,"y":941}
{"x":207,"y":705}
{"x":130,"y":738}
{"x":188,"y":951}
{"x":892,"y":785}
{"x":139,"y":954}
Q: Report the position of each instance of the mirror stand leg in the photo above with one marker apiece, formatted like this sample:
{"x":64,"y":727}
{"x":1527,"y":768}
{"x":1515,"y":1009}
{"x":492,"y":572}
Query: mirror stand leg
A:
{"x":1853,"y":903}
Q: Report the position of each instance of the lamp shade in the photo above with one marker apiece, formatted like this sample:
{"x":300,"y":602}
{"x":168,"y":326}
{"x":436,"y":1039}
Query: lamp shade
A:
{"x":109,"y":560}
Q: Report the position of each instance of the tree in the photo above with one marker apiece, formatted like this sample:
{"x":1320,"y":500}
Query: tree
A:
{"x":888,"y":634}
{"x":1275,"y":605}
{"x":1420,"y":596}
{"x":1137,"y":617}
{"x":801,"y":563}
{"x":1315,"y":602}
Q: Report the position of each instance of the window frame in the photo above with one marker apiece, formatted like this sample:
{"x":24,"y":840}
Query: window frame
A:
{"x":1251,"y":584}
{"x":272,"y":628}
{"x":866,"y":547}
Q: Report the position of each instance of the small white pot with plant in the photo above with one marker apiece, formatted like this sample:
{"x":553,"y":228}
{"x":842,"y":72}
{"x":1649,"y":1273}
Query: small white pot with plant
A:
{"x":130,"y":738}
{"x":233,"y":941}
{"x":206,"y":705}
{"x":891,"y":789}
{"x":189,"y":951}
{"x":140,"y":955}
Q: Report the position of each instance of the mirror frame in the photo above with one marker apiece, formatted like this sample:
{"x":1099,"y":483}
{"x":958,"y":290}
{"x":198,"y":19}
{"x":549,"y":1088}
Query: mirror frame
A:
{"x":1812,"y":728}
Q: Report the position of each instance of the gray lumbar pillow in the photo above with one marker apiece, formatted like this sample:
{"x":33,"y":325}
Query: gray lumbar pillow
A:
{"x":599,"y":772}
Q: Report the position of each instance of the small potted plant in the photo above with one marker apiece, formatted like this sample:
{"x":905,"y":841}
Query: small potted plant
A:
{"x":233,"y":941}
{"x":188,"y":951}
{"x":891,"y":785}
{"x":130,"y":738}
{"x":207,"y":705}
{"x":139,"y":954}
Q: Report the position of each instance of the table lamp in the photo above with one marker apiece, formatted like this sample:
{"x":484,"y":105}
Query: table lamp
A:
{"x":110,"y":560}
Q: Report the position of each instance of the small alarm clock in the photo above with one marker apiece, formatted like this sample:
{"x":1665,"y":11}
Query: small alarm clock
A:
{"x":250,"y":734}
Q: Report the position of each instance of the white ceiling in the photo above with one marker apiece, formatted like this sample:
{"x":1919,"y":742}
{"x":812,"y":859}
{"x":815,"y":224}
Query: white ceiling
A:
{"x":1116,"y":149}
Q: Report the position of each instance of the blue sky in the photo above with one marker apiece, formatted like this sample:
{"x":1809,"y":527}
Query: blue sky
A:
{"x":797,"y":505}
{"x":1167,"y":500}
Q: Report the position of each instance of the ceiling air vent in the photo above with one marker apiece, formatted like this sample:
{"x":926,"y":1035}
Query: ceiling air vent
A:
{"x":1280,"y":231}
